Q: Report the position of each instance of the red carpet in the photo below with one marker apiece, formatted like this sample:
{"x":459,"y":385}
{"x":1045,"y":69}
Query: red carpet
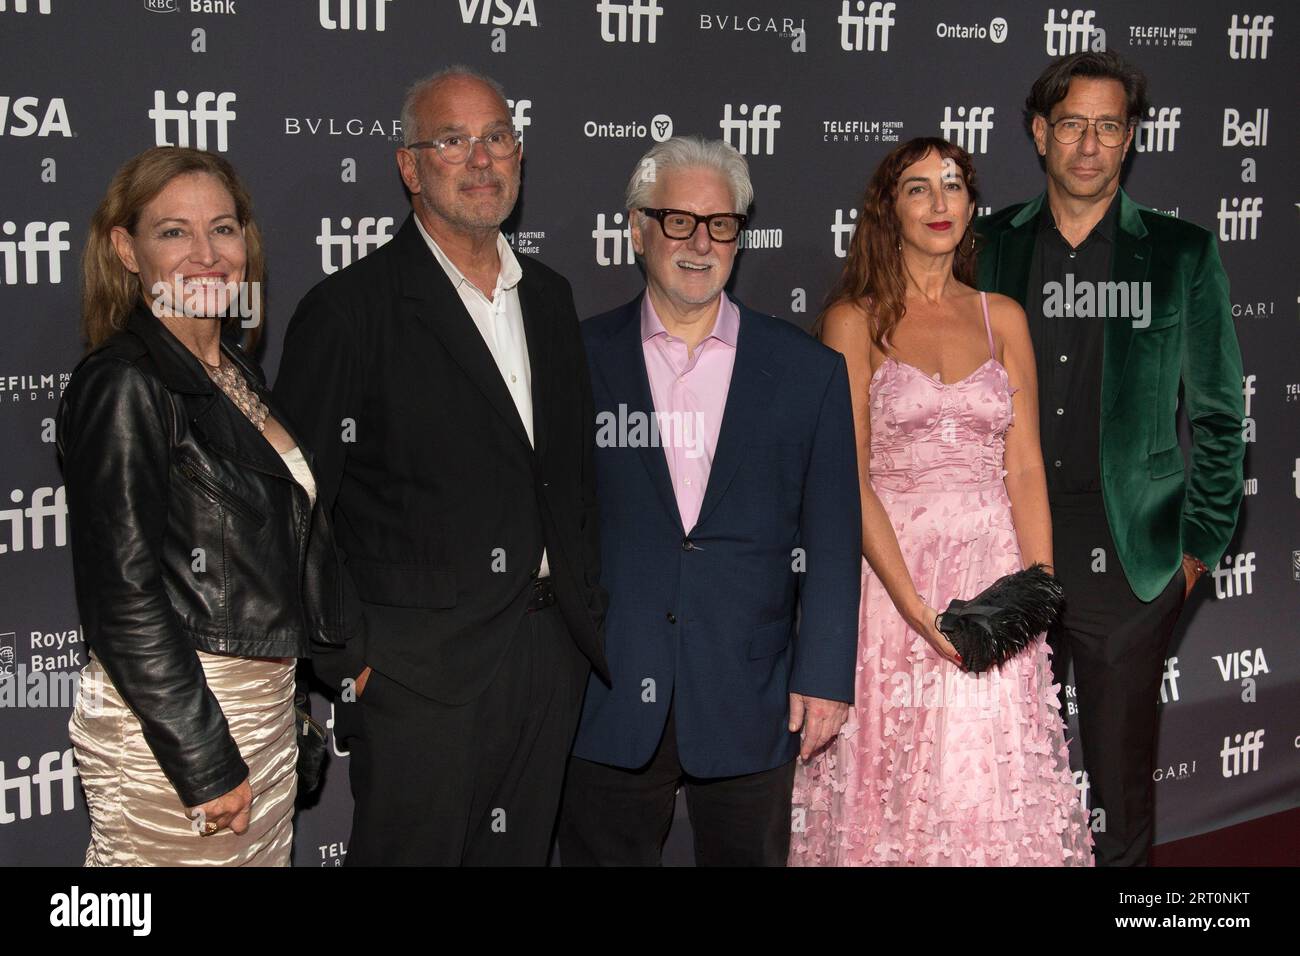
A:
{"x":1269,"y":841}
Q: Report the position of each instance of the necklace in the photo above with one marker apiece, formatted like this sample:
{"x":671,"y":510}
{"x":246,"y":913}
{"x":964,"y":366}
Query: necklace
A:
{"x":230,"y":381}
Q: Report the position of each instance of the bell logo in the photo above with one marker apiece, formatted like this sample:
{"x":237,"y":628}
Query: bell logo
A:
{"x":1249,"y":133}
{"x":1249,"y":40}
{"x":1241,"y":753}
{"x":756,"y":133}
{"x":498,"y":13}
{"x":1240,"y":219}
{"x":859,"y":23}
{"x":372,"y":232}
{"x":19,"y":117}
{"x":842,"y":231}
{"x":38,"y":238}
{"x":1073,"y":33}
{"x":1151,"y":132}
{"x":1236,"y":577}
{"x":20,"y":6}
{"x":519,"y":114}
{"x":203,"y":114}
{"x":616,"y":18}
{"x":353,"y":14}
{"x":44,"y":779}
{"x":613,"y":243}
{"x":970,"y":130}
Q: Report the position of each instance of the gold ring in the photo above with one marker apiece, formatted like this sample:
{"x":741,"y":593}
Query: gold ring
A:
{"x":210,"y":828}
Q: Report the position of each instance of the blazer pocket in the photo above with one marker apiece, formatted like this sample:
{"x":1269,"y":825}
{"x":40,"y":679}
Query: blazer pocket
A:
{"x":770,"y":639}
{"x":404,"y":585}
{"x":1167,"y":462}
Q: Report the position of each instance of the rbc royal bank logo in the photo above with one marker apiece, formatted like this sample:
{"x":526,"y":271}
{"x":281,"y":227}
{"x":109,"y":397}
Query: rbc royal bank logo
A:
{"x":859,"y":23}
{"x":39,"y":239}
{"x":1239,"y":218}
{"x":754,"y":132}
{"x":371,"y":233}
{"x":23,"y":116}
{"x":969,"y":129}
{"x":1155,"y":134}
{"x":1073,"y":33}
{"x":210,"y":109}
{"x":1248,"y":38}
{"x":353,"y":14}
{"x":623,"y":22}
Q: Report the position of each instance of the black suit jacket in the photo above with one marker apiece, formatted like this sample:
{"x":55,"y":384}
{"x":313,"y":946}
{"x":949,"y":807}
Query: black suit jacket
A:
{"x":440,"y":504}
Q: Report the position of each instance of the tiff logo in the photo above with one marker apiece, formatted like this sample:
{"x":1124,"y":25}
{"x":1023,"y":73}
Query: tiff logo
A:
{"x":372,"y":232}
{"x":969,"y":131}
{"x":44,"y":779}
{"x":203,"y":113}
{"x":613,"y":239}
{"x":1237,"y":133}
{"x":1151,"y":131}
{"x":638,"y":12}
{"x":1242,"y":220}
{"x":1073,"y":32}
{"x":1228,"y":580}
{"x":842,"y":231}
{"x":20,"y":6}
{"x":756,"y":134}
{"x":519,"y":114}
{"x":1241,"y":753}
{"x":46,"y":503}
{"x":346,"y":20}
{"x":858,"y":30}
{"x":38,"y":238}
{"x":1169,"y":681}
{"x":1249,"y":41}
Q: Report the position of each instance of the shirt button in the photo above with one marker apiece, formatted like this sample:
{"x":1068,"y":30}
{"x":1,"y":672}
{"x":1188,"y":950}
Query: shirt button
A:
{"x":1064,"y":357}
{"x":672,"y":618}
{"x":688,"y":544}
{"x":1057,"y":463}
{"x":513,"y":378}
{"x":1072,"y":253}
{"x":688,"y":481}
{"x":1060,"y":411}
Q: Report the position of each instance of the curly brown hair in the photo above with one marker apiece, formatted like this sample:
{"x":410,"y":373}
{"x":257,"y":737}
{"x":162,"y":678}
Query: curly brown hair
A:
{"x":873,"y":271}
{"x":109,"y":291}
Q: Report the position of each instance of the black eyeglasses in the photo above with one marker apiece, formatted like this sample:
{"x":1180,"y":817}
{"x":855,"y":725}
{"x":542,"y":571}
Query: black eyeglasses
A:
{"x":1070,"y":129}
{"x":455,"y":148}
{"x":680,"y":224}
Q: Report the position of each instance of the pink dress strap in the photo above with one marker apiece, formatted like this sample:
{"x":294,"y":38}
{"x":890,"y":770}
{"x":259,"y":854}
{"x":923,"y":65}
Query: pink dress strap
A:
{"x":988,"y":329}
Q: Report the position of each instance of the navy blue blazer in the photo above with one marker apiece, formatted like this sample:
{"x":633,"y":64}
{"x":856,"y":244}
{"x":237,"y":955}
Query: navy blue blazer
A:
{"x":706,"y":616}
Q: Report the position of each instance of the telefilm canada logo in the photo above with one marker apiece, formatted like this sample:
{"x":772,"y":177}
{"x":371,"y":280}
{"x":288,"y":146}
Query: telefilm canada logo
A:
{"x":1161,"y":35}
{"x":33,"y":387}
{"x":861,"y":131}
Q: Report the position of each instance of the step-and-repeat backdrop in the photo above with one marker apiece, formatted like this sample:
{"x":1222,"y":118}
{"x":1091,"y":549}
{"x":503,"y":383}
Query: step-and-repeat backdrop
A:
{"x":304,"y":96}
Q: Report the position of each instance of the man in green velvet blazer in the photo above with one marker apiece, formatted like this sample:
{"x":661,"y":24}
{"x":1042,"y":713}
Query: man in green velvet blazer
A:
{"x":1126,"y":307}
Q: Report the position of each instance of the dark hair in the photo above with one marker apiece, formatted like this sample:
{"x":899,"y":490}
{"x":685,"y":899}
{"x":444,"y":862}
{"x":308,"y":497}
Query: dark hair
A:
{"x":873,"y":271}
{"x":1053,"y":84}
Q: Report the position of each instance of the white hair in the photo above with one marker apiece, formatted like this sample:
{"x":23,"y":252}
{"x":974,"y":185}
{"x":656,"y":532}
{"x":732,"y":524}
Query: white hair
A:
{"x":417,"y":90}
{"x":690,"y":152}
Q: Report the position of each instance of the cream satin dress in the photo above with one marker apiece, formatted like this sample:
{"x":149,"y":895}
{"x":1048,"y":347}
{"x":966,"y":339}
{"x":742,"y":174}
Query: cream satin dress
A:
{"x":136,"y":818}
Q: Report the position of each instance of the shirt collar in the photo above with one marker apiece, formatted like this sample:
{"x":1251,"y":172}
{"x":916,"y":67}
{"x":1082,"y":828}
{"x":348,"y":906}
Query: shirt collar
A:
{"x":507,"y":278}
{"x":1105,"y":228}
{"x":726,"y":326}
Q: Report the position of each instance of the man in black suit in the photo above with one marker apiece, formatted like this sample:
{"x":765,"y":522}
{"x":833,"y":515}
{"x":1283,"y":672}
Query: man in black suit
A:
{"x":442,"y":385}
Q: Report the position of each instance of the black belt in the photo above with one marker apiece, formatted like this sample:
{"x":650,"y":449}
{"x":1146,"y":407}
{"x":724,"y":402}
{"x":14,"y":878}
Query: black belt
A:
{"x":543,"y":595}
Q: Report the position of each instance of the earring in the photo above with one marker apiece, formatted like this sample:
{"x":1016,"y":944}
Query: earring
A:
{"x":970,"y":246}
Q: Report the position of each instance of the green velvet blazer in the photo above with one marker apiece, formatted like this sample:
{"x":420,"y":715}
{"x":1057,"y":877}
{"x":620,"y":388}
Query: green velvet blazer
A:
{"x":1158,"y":506}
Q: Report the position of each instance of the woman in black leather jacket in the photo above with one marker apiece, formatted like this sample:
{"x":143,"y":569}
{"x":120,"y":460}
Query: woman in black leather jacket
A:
{"x":203,"y":566}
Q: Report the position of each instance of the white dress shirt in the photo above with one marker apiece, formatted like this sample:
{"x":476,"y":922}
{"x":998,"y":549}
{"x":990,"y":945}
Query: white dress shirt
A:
{"x":500,"y":320}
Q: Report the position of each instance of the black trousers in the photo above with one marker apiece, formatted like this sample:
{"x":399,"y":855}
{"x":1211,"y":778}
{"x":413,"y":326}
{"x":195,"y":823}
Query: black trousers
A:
{"x":1118,"y":646}
{"x":612,"y":816}
{"x":474,"y":784}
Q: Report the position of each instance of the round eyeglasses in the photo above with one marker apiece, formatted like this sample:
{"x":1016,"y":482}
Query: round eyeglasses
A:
{"x":456,"y":148}
{"x":680,"y":224}
{"x":1070,"y":129}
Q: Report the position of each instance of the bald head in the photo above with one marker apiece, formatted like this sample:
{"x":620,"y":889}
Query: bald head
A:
{"x":430,"y":97}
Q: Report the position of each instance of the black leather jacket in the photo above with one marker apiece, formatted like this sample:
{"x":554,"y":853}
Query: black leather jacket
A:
{"x":188,"y":532}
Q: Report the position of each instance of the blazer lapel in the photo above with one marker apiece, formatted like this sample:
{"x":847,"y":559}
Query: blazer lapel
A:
{"x":1015,"y":251}
{"x":753,"y":377}
{"x":1131,"y":259}
{"x":439,"y":307}
{"x":622,"y":366}
{"x":539,"y":329}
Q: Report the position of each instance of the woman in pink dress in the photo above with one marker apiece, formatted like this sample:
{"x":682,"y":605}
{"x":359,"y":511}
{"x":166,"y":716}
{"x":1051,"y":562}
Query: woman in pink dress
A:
{"x":936,"y":766}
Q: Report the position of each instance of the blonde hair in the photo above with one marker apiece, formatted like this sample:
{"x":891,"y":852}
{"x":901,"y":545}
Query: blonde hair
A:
{"x":109,"y":291}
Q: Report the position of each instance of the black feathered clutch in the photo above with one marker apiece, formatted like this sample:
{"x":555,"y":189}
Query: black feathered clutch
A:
{"x":1003,"y":619}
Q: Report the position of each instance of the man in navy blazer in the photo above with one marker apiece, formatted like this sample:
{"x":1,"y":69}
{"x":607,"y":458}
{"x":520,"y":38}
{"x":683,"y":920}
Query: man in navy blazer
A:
{"x":726,"y":476}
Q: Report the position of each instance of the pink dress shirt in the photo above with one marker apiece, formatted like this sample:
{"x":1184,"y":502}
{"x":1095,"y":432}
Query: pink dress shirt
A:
{"x":689,"y":394}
